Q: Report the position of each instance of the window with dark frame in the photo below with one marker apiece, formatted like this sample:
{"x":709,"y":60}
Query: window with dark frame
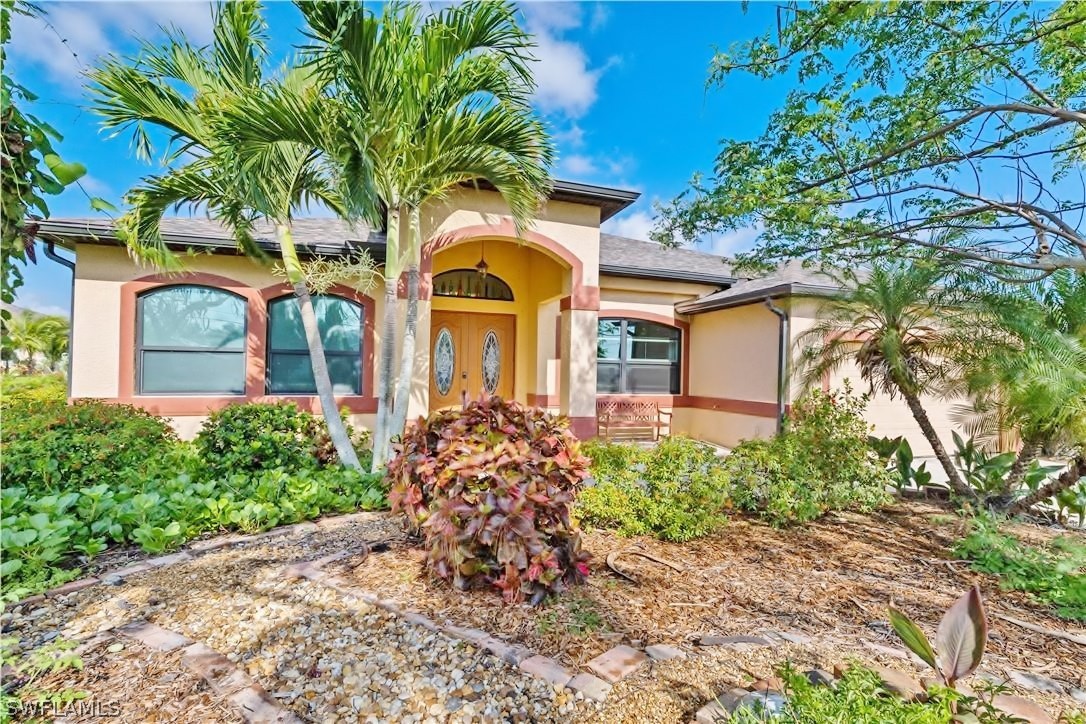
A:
{"x":470,"y":283}
{"x":190,"y":340}
{"x":634,"y":356}
{"x":290,"y":371}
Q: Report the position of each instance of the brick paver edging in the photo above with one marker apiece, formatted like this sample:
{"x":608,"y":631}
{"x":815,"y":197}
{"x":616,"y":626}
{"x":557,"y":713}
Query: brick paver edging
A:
{"x":541,"y":667}
{"x":195,"y":548}
{"x":247,"y":697}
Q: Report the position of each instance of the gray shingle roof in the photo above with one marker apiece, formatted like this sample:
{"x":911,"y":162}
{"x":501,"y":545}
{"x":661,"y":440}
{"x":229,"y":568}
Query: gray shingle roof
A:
{"x":647,"y":259}
{"x":618,"y":255}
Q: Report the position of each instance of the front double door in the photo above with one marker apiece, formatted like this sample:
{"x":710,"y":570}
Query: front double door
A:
{"x":470,"y":355}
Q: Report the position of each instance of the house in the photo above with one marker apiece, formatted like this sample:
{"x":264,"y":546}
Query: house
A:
{"x":562,"y":318}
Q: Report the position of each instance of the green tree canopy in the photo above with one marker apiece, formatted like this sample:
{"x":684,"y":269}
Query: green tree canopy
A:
{"x":959,"y":127}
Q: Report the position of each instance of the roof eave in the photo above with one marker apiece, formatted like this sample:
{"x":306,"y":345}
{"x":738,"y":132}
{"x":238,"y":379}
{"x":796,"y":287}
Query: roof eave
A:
{"x":754,"y":296}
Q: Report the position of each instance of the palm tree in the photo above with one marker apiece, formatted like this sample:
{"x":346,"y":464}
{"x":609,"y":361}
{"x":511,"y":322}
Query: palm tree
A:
{"x":187,"y":92}
{"x":56,"y":341}
{"x":444,"y":100}
{"x":900,"y":326}
{"x":1031,"y":374}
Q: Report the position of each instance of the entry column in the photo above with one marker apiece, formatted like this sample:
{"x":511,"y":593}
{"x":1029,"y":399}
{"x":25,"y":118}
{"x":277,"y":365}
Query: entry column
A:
{"x":578,"y":381}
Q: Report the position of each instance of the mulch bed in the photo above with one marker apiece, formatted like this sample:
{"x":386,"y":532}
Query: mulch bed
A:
{"x":830,"y":580}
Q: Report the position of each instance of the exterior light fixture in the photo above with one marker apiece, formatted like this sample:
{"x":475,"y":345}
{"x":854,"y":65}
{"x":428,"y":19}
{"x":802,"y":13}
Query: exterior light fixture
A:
{"x":482,"y":267}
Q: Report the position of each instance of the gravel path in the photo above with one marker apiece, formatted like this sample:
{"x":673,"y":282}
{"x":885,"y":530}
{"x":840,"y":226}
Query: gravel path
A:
{"x":323,"y":658}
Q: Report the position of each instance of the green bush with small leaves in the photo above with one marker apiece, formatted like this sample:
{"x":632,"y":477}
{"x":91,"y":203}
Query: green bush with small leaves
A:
{"x":53,"y":445}
{"x":676,"y":491}
{"x":822,"y":462}
{"x":32,"y":389}
{"x":262,"y":436}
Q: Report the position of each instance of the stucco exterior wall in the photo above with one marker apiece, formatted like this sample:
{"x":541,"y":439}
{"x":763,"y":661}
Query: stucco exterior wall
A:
{"x":100,"y":274}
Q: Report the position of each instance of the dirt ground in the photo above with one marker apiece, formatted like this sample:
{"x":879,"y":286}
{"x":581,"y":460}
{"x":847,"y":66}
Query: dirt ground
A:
{"x":828,"y":582}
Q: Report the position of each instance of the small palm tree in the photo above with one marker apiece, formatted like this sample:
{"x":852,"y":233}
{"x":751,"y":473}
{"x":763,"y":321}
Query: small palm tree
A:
{"x":442,"y":100}
{"x":1031,"y":374}
{"x":900,"y":327}
{"x":188,"y":93}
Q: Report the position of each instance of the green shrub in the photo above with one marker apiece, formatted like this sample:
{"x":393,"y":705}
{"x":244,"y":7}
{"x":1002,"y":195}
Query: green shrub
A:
{"x":490,"y":488}
{"x":858,"y":697}
{"x":42,"y":534}
{"x":32,"y":389}
{"x":50,"y":446}
{"x":822,"y":462}
{"x":252,"y":437}
{"x":1054,"y":574}
{"x":675,"y":491}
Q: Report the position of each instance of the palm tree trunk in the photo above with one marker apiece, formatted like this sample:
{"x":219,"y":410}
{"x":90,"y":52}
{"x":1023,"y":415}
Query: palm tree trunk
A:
{"x":1067,"y":479}
{"x":336,"y":429}
{"x":385,"y":388}
{"x":407,"y":355}
{"x":1029,"y":452}
{"x":954,"y":477}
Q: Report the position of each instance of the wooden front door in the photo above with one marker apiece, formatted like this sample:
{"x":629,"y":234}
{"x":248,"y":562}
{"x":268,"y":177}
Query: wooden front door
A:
{"x":470,"y":355}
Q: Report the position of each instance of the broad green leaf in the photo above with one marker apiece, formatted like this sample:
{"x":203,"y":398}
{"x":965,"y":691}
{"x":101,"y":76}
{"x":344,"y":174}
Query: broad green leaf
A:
{"x":66,"y":173}
{"x":99,"y":204}
{"x":913,"y":637}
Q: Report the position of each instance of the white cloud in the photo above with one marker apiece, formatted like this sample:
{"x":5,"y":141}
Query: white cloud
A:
{"x":633,"y":225}
{"x":600,"y":15}
{"x":566,"y":81}
{"x":73,"y":35}
{"x":573,"y":136}
{"x":578,"y":165}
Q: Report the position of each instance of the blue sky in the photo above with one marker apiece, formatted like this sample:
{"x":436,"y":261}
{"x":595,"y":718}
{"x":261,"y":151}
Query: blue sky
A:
{"x":621,"y":85}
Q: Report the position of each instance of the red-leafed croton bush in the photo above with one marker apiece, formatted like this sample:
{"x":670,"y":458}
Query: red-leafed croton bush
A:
{"x":490,"y":489}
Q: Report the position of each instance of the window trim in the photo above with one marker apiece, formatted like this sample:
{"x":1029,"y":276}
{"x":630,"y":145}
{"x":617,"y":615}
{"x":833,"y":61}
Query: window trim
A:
{"x":139,"y":348}
{"x":360,"y":354}
{"x":623,"y":363}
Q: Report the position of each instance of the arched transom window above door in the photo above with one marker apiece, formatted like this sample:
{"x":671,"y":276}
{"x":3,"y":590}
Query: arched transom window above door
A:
{"x":470,"y":283}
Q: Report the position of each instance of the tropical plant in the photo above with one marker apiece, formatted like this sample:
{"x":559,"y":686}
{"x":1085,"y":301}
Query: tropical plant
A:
{"x":905,"y":121}
{"x":899,"y":325}
{"x":959,"y":640}
{"x":821,"y":462}
{"x":31,"y":335}
{"x":31,"y":167}
{"x":1030,"y":376}
{"x":990,"y":475}
{"x":439,"y":100}
{"x":190,"y":93}
{"x":491,"y":489}
{"x":898,"y":455}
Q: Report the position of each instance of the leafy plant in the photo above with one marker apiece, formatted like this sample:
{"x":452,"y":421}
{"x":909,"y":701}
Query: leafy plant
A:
{"x":821,"y":462}
{"x":987,"y":474}
{"x":1054,"y":574}
{"x":898,"y":455}
{"x":253,"y":437}
{"x":33,"y":390}
{"x":490,"y":488}
{"x":23,"y":675}
{"x":959,"y":640}
{"x":48,"y":446}
{"x":677,"y":490}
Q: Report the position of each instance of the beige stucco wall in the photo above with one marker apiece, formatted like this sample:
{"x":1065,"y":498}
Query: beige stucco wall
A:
{"x":100,"y":273}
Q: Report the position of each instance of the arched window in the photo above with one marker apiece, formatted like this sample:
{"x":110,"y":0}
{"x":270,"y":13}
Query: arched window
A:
{"x":190,"y":340}
{"x":340,"y":323}
{"x":634,"y":356}
{"x":470,"y":283}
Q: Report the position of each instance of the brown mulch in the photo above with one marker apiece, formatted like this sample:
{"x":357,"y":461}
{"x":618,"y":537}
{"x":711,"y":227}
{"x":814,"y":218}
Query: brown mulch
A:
{"x":135,"y":685}
{"x":830,"y":580}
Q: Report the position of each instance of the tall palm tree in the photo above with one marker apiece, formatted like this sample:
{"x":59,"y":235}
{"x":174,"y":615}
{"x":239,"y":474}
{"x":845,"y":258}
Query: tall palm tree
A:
{"x":188,"y":92}
{"x":900,"y":326}
{"x":1031,"y":374}
{"x":445,"y":100}
{"x":56,"y":342}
